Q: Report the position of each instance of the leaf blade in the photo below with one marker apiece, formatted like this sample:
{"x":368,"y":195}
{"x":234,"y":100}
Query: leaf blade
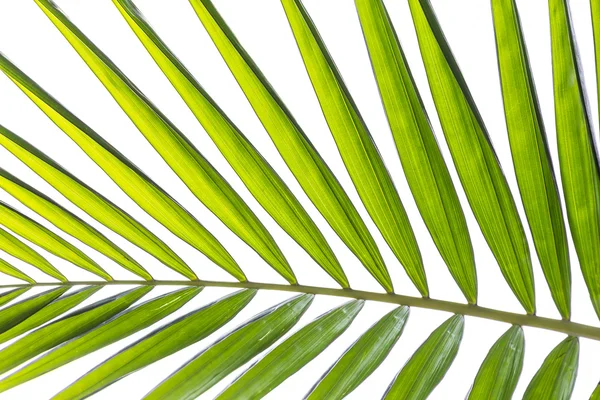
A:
{"x":203,"y":180}
{"x":474,"y":157}
{"x":66,"y":328}
{"x":421,"y":158}
{"x":187,"y":330}
{"x":429,"y":363}
{"x":499,"y":373}
{"x":118,"y":327}
{"x":10,"y":270}
{"x":362,"y":358}
{"x":68,"y":222}
{"x":259,"y":177}
{"x":231,"y":352}
{"x":17,"y":313}
{"x":311,"y":172}
{"x":7,"y":297}
{"x":577,"y":152}
{"x":356,"y":145}
{"x":556,"y":377}
{"x":531,"y":156}
{"x":293,"y":354}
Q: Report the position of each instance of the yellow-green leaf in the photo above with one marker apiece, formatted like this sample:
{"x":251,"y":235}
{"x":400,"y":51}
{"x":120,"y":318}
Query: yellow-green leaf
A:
{"x":147,"y":194}
{"x":499,"y":373}
{"x":18,"y":312}
{"x":422,"y":161}
{"x":556,"y":377}
{"x":48,"y":240}
{"x":256,"y":173}
{"x":426,"y":368}
{"x":10,"y":295}
{"x":595,"y":6}
{"x":90,"y":201}
{"x":474,"y":157}
{"x":175,"y":148}
{"x":316,"y":179}
{"x":9,"y":269}
{"x":51,"y":311}
{"x":68,"y":222}
{"x":577,"y":152}
{"x":356,"y":146}
{"x":531,"y":156}
{"x":596,"y":394}
{"x":23,"y":252}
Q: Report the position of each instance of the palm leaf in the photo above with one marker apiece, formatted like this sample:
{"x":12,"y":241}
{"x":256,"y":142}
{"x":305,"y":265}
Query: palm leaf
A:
{"x":256,"y":173}
{"x":317,"y":180}
{"x":357,"y":148}
{"x":420,"y":155}
{"x":531,"y":156}
{"x":579,"y":164}
{"x":55,"y":326}
{"x":195,"y":171}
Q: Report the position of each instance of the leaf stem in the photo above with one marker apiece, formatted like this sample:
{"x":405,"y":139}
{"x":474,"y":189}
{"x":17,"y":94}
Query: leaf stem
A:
{"x":563,"y":326}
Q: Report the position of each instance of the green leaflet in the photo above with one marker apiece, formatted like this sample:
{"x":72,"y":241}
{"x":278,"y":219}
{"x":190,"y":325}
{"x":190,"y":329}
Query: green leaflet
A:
{"x":159,"y":344}
{"x":293,"y":354}
{"x":474,"y":157}
{"x":16,"y":313}
{"x":7,"y":297}
{"x":256,"y":173}
{"x":422,"y":161}
{"x":429,"y":364}
{"x":360,"y":360}
{"x":119,"y":327}
{"x":86,"y":198}
{"x":23,"y":252}
{"x":596,"y":394}
{"x":316,"y":179}
{"x":48,"y":240}
{"x":356,"y":146}
{"x":147,"y":194}
{"x":49,"y":312}
{"x":194,"y":170}
{"x":595,"y":7}
{"x":499,"y":374}
{"x":556,"y":377}
{"x":531,"y":156}
{"x":232,"y":351}
{"x":67,"y":328}
{"x":579,"y":164}
{"x":68,"y":222}
{"x":14,"y":272}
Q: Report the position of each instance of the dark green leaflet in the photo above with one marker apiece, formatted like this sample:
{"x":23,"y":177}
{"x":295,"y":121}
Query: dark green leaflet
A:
{"x":67,"y":328}
{"x":293,"y":354}
{"x":232,"y":351}
{"x":596,"y":394}
{"x":313,"y":174}
{"x":49,"y":312}
{"x":499,"y":374}
{"x":595,"y":6}
{"x":360,"y":360}
{"x":356,"y":146}
{"x":23,"y":252}
{"x":18,"y":312}
{"x":119,"y":327}
{"x":256,"y":173}
{"x":31,"y":230}
{"x":556,"y":377}
{"x":423,"y":164}
{"x":159,"y":344}
{"x":429,"y":364}
{"x":474,"y":157}
{"x":86,"y":198}
{"x":68,"y":222}
{"x":531,"y":156}
{"x":9,"y":269}
{"x":579,"y":164}
{"x":10,"y":295}
{"x":147,"y":194}
{"x":203,"y":180}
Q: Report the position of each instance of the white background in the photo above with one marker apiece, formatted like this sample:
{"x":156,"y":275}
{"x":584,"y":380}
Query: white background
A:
{"x":31,"y":41}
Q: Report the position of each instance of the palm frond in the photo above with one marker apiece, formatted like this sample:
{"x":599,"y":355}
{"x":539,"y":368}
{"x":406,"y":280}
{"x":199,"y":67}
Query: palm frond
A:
{"x":46,"y":325}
